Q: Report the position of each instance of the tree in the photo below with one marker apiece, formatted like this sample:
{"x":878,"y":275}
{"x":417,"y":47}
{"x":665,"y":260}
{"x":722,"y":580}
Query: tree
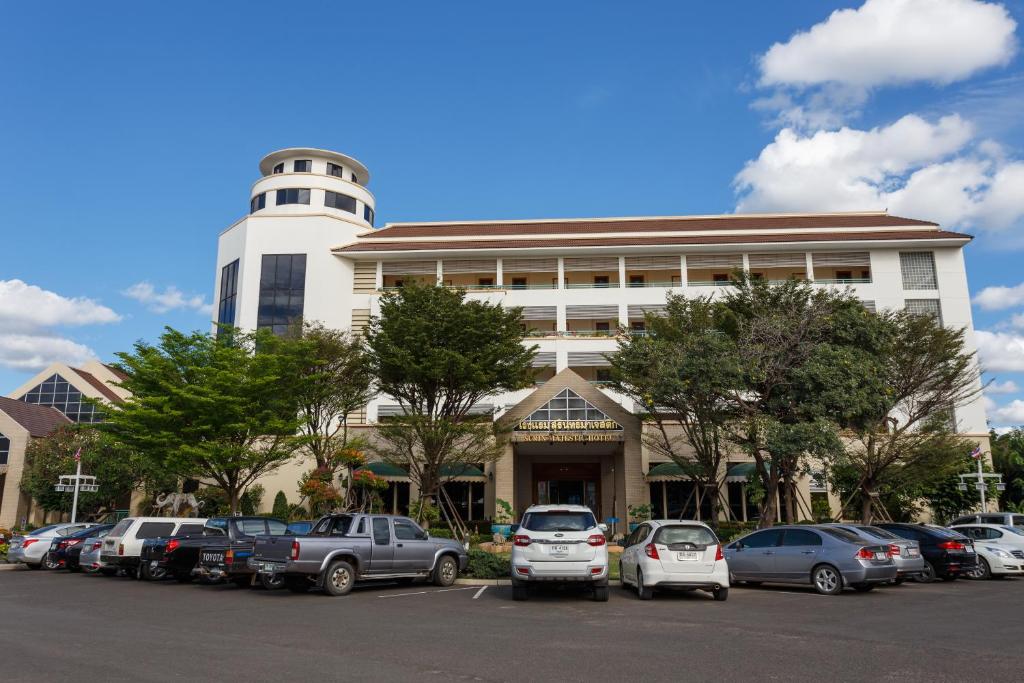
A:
{"x":801,"y":351}
{"x":281,"y":509}
{"x":684,"y":373}
{"x":1008,"y":460}
{"x":438,"y":355}
{"x":50,"y":457}
{"x":901,"y":428}
{"x":215,"y":408}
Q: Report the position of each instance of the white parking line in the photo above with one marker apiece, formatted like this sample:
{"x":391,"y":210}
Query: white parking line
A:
{"x":443,"y":590}
{"x":482,"y":589}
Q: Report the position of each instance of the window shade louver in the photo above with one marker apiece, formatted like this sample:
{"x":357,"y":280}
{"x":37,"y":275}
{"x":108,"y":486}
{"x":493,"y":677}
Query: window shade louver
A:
{"x":470,"y":266}
{"x":837,"y":259}
{"x":539,"y":313}
{"x":530,"y":265}
{"x":714,"y":261}
{"x":638,"y":310}
{"x":652,"y":262}
{"x":870,"y":305}
{"x":778,"y":261}
{"x":409,"y":268}
{"x":544,"y":359}
{"x":593,"y":263}
{"x":586,"y":312}
{"x":587,"y":359}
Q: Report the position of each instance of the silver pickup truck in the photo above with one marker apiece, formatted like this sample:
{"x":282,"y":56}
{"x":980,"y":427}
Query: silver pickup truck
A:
{"x":344,"y":548}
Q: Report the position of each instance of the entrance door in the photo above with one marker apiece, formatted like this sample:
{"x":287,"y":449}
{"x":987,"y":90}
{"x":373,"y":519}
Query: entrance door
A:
{"x":568,"y":484}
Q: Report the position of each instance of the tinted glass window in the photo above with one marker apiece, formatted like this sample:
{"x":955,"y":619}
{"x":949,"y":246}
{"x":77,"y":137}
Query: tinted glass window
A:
{"x":300,"y":528}
{"x":1017,"y":520}
{"x":841,"y":534}
{"x":228,"y":293}
{"x":189,"y":529}
{"x":762,"y":539}
{"x":276,"y":528}
{"x":121,"y":527}
{"x":303,"y":166}
{"x":685,"y":533}
{"x":252,"y":527}
{"x":341,"y":525}
{"x":258,"y":202}
{"x":5,"y":449}
{"x":282,"y":291}
{"x":336,"y":200}
{"x":559,"y":521}
{"x":279,"y":168}
{"x":154,"y":529}
{"x":1014,"y":530}
{"x":323,"y":526}
{"x":293,"y":196}
{"x":802,"y":537}
{"x":406,"y":530}
{"x":367,"y":214}
{"x":57,"y":392}
{"x":381,"y":531}
{"x":908,"y":532}
{"x":335,"y":170}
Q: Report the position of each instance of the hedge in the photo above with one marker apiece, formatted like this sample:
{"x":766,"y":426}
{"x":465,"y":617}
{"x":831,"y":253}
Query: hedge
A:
{"x":484,"y":565}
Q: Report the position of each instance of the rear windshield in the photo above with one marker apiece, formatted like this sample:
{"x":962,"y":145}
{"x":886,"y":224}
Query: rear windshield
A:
{"x":154,"y":530}
{"x":557,"y":520}
{"x":1019,"y":532}
{"x":121,"y":527}
{"x":190,"y":529}
{"x":42,"y":530}
{"x":878,"y":533}
{"x":685,"y":533}
{"x":841,"y":534}
{"x":300,"y":528}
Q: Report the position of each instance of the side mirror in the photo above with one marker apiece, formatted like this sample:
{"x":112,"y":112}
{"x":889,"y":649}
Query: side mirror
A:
{"x":603,"y":527}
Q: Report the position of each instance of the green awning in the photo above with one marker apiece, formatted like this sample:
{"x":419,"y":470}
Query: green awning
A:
{"x":666,"y":471}
{"x":740,"y":471}
{"x":461,"y":473}
{"x":386,"y":471}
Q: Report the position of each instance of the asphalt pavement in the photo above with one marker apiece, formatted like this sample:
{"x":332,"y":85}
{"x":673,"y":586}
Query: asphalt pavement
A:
{"x":55,"y":625}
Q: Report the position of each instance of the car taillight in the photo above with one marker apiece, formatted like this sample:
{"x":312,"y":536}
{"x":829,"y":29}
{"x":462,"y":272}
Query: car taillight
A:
{"x":120,"y":548}
{"x":894,"y":550}
{"x":521,"y":540}
{"x":597,"y":540}
{"x":62,"y":544}
{"x":74,"y":541}
{"x":97,"y":545}
{"x":951,"y":545}
{"x":295,"y":550}
{"x":865,"y":554}
{"x":28,"y":541}
{"x":718,"y":553}
{"x":652,"y":551}
{"x":172,"y":545}
{"x":594,"y":571}
{"x":229,"y":556}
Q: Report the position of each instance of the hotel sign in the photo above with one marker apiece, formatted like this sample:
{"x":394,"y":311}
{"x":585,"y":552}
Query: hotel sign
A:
{"x":567,"y":431}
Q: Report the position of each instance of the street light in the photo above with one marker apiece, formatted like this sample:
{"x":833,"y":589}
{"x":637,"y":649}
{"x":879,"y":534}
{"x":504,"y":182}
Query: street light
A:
{"x":981,"y":479}
{"x":76,"y":482}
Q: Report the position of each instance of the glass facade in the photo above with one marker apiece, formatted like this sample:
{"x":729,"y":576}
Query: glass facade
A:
{"x":258,"y":202}
{"x":918,"y":268}
{"x":367,"y":214}
{"x":58,"y":393}
{"x":336,"y":200}
{"x":282,"y":291}
{"x":228,"y":293}
{"x":292,"y":196}
{"x":5,"y":449}
{"x":335,"y":170}
{"x":567,"y":406}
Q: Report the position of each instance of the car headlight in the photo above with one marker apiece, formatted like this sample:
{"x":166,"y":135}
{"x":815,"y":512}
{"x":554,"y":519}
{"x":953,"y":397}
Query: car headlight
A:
{"x":999,"y":552}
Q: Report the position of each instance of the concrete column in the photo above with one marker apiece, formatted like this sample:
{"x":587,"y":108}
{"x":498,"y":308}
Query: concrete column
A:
{"x":379,"y":277}
{"x":809,"y":259}
{"x":682,"y":271}
{"x":624,"y":315}
{"x":560,"y":317}
{"x":440,"y":272}
{"x":499,"y":275}
{"x":622,"y":272}
{"x":746,"y":263}
{"x":504,"y":477}
{"x":561,"y":273}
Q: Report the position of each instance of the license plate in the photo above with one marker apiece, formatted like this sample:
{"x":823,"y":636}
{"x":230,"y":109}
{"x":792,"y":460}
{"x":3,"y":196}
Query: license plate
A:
{"x":268,"y":567}
{"x":687,"y":556}
{"x":914,"y":552}
{"x":559,"y":550}
{"x":970,"y":551}
{"x":881,"y":556}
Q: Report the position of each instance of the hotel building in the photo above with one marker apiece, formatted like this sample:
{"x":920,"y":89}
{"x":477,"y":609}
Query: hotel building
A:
{"x":308,"y":247}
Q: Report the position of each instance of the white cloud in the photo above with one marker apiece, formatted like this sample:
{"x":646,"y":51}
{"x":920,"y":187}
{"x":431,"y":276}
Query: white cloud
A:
{"x":887,"y":42}
{"x":1010,"y":414}
{"x":31,"y":352}
{"x":1007,"y":387}
{"x":170,"y":299}
{"x":912,"y":167}
{"x":25,"y":307}
{"x":1000,"y":297}
{"x":1000,"y":351}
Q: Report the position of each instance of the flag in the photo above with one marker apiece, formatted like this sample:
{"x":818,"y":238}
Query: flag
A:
{"x":78,"y":455}
{"x":976,"y":453}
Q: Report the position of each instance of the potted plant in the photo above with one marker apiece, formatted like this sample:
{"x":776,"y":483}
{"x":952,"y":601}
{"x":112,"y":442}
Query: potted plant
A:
{"x":503,"y":517}
{"x":638,"y":514}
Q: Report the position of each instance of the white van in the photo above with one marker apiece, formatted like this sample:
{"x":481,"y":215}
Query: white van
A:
{"x":123,"y":545}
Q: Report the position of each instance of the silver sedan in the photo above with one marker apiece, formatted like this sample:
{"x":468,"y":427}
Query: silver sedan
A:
{"x":905,"y":552}
{"x":32,"y":547}
{"x":827,"y":558}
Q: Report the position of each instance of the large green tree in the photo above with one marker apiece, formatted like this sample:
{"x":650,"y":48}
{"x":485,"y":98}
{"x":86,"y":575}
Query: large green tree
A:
{"x":1008,"y":460}
{"x":439,"y":354}
{"x":684,"y":373}
{"x":218,"y":408}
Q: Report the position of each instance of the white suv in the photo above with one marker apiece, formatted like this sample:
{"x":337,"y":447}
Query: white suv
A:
{"x":559,"y":543}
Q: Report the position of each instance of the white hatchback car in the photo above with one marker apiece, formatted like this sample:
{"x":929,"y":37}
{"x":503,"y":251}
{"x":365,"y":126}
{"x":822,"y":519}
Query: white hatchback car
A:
{"x":665,"y":553}
{"x":559,"y":544}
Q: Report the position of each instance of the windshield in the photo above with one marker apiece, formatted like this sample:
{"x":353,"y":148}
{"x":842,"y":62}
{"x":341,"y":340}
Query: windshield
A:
{"x":558,"y":520}
{"x":878,"y":533}
{"x":1018,"y":520}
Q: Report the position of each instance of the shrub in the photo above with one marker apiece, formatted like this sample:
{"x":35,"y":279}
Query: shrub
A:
{"x":727,"y":531}
{"x":484,"y":565}
{"x":3,"y":550}
{"x":281,"y":508}
{"x":441,"y":532}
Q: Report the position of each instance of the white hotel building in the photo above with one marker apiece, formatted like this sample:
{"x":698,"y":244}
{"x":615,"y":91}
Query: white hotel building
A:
{"x":309,"y":247}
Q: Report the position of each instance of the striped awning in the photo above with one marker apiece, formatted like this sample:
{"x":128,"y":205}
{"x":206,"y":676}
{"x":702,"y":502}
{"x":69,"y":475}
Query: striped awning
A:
{"x":740,"y":472}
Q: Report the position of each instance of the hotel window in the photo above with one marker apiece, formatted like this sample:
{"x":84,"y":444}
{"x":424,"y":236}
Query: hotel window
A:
{"x":58,"y":393}
{"x":335,"y":170}
{"x":228,"y":293}
{"x":603,"y":374}
{"x":600,"y":280}
{"x":279,"y":168}
{"x":638,"y":326}
{"x":355,"y":179}
{"x":302,"y":166}
{"x":292,"y":196}
{"x":336,"y":200}
{"x":518,"y":283}
{"x":918,"y":268}
{"x":636,"y":280}
{"x":282,"y":291}
{"x":720,"y":277}
{"x":844,"y":274}
{"x":367,"y":214}
{"x":602,"y":327}
{"x":930,"y":307}
{"x":258,"y":202}
{"x":5,"y":449}
{"x":485,"y":281}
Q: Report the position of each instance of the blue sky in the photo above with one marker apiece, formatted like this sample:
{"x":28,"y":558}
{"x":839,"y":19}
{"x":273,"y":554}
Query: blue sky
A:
{"x":131,"y":133}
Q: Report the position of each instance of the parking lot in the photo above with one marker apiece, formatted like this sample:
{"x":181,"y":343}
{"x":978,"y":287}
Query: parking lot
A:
{"x":101,"y":628}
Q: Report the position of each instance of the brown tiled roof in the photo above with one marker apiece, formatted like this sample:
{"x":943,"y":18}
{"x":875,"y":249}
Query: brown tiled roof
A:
{"x":38,"y":420}
{"x":98,"y":385}
{"x":376,"y":246}
{"x":116,"y":371}
{"x":666,"y":224}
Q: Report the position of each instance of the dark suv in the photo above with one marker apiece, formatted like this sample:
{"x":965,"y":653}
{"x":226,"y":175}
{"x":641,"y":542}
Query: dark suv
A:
{"x":948,"y":554}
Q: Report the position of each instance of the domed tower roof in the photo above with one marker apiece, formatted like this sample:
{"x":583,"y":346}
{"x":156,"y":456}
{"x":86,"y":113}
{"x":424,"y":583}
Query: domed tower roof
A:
{"x":268,"y":162}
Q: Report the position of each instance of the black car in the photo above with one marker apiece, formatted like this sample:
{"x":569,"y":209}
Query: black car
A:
{"x":65,"y":550}
{"x":947,"y":554}
{"x":152,"y":564}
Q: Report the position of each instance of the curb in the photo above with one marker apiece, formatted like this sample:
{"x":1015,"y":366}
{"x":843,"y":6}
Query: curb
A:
{"x":504,"y":582}
{"x":10,"y":567}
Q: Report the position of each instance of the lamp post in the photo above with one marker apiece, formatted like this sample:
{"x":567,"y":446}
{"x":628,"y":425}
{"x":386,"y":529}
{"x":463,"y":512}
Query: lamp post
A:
{"x":980,"y":479}
{"x":77,"y":482}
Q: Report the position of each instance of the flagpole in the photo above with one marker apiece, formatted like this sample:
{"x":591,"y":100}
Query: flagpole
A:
{"x":78,"y":479}
{"x":981,"y":486}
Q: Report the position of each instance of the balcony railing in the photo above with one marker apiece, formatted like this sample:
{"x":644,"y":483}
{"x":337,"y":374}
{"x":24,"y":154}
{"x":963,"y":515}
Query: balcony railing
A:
{"x":532,"y":286}
{"x":661,"y":283}
{"x":710,"y":283}
{"x":843,"y":281}
{"x":592,"y":285}
{"x":572,"y":334}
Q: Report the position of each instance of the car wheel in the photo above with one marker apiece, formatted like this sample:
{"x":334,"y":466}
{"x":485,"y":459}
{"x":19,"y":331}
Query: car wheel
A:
{"x":927,"y":574}
{"x":339,"y":578}
{"x":601,"y":593}
{"x":622,"y":577}
{"x":827,"y":580}
{"x":643,"y":592}
{"x":153,"y":573}
{"x":296,"y":584}
{"x":981,"y":571}
{"x":446,"y":571}
{"x":520,"y":591}
{"x":863,"y":587}
{"x":50,"y":562}
{"x":272,"y":581}
{"x":720,"y":594}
